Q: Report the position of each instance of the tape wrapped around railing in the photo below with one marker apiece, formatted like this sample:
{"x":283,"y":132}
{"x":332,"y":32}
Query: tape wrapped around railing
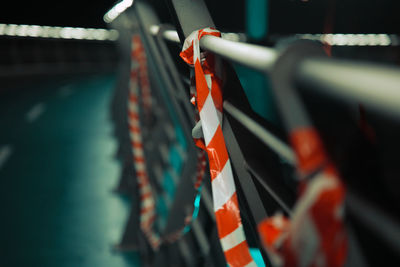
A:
{"x":315,"y":235}
{"x":209,"y":102}
{"x":139,"y":79}
{"x":140,"y":87}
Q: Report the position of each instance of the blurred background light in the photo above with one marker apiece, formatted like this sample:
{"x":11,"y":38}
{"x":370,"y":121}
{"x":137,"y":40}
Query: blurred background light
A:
{"x":116,"y":10}
{"x":353,"y":39}
{"x":58,"y":32}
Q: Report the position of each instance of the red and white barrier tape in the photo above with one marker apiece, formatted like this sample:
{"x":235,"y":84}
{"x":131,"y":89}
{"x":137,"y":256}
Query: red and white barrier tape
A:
{"x":144,"y":81}
{"x":138,"y":78}
{"x":209,"y":104}
{"x":316,"y":234}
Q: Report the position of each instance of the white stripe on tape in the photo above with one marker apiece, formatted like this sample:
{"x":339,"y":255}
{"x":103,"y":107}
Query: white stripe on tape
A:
{"x":146,"y":216}
{"x":209,"y":119}
{"x":138,"y":153}
{"x":320,"y":183}
{"x":209,"y":30}
{"x":133,"y":107}
{"x":223,"y":187}
{"x":146,"y":189}
{"x":134,"y":85}
{"x":233,"y":239}
{"x":196,"y":50}
{"x":140,"y":166}
{"x":147,"y":202}
{"x":135,"y":137}
{"x":208,"y":80}
{"x":133,"y":122}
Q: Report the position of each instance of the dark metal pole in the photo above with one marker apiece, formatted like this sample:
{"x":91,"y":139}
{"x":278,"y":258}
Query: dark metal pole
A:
{"x":190,"y":16}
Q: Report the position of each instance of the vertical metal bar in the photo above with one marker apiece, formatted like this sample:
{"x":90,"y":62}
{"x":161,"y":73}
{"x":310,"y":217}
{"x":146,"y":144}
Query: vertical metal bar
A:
{"x":173,"y":71}
{"x":201,"y":237}
{"x":191,"y":15}
{"x":185,"y":251}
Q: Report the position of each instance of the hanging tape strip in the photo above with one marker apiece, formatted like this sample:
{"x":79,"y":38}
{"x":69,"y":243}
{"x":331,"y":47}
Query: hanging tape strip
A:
{"x":138,"y":78}
{"x":209,"y":104}
{"x":315,"y":235}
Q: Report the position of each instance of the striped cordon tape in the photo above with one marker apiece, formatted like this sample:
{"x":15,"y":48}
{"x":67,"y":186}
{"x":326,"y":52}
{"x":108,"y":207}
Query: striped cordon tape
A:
{"x":209,"y":100}
{"x":140,"y":87}
{"x":315,"y":235}
{"x":139,"y":79}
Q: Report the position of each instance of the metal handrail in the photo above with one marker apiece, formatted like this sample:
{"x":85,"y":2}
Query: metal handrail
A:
{"x":312,"y":73}
{"x":253,"y":56}
{"x":377,"y":86}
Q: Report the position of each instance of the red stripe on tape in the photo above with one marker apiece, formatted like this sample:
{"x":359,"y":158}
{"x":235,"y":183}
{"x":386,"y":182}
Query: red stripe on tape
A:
{"x":308,"y":148}
{"x":217,"y":154}
{"x":136,"y":145}
{"x":133,"y":98}
{"x":201,"y":86}
{"x":138,"y":159}
{"x":228,"y":217}
{"x":146,"y":195}
{"x":134,"y":129}
{"x":147,"y":209}
{"x":238,"y":255}
{"x":133,"y":115}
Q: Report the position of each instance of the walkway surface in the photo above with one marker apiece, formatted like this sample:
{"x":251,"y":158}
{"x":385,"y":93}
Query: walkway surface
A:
{"x":57,"y":172}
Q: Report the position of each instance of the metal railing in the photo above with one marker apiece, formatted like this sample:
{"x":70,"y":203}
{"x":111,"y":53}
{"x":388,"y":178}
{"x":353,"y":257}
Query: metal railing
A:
{"x":262,"y":161}
{"x":347,"y":80}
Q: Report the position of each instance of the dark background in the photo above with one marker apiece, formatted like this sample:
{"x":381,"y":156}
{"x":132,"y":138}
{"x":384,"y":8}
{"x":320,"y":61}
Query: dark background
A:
{"x":286,"y":16}
{"x":74,"y":13}
{"x":297,"y":16}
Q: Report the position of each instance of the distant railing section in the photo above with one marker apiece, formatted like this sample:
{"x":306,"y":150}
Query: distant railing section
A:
{"x":33,"y":49}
